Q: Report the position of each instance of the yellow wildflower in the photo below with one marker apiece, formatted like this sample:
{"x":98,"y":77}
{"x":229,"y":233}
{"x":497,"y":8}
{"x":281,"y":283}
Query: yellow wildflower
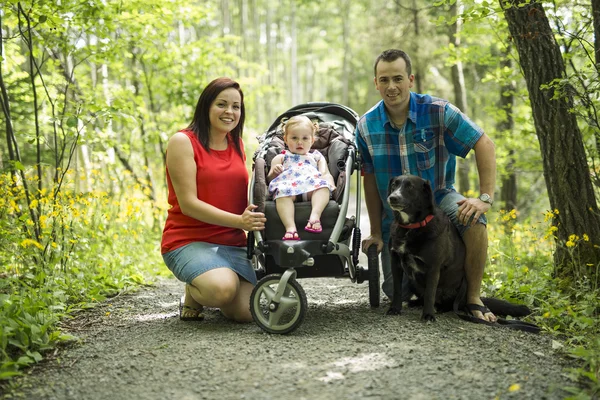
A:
{"x":514,"y":387}
{"x":31,"y":242}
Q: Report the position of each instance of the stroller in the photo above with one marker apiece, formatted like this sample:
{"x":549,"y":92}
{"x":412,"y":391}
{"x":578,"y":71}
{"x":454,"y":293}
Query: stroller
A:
{"x":278,"y":303}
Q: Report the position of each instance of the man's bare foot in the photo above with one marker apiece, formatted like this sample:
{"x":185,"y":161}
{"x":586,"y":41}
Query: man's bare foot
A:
{"x":478,"y":310}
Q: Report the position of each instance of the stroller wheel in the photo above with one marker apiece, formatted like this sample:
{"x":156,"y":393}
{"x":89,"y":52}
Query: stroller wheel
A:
{"x":373,"y":265}
{"x":278,"y":317}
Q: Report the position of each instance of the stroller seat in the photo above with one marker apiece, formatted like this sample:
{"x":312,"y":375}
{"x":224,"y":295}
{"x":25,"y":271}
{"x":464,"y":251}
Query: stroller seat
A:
{"x":334,"y":148}
{"x":278,"y":302}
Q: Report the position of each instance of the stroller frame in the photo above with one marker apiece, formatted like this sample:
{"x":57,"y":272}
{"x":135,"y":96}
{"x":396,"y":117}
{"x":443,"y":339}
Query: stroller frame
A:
{"x":278,"y":303}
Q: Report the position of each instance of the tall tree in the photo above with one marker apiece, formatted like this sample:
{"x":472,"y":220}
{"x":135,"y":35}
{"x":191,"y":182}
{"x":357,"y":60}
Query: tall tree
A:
{"x":506,"y":126}
{"x":596,"y":19}
{"x":460,"y":92}
{"x":563,"y":154}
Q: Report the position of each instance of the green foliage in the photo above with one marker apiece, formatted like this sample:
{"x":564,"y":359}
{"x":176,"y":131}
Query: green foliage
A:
{"x":522,"y":270}
{"x":79,"y":258}
{"x":123,"y":76}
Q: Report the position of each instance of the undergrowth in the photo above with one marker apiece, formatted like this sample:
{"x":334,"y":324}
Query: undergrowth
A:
{"x":66,"y":250}
{"x":521,"y":269}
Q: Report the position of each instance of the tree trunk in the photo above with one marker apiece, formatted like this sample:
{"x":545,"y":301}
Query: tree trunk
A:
{"x":417,"y":70}
{"x":566,"y":171}
{"x":345,"y":12}
{"x":506,"y":127}
{"x":226,"y":20}
{"x":295,"y":83}
{"x":460,"y":96}
{"x":596,"y":17}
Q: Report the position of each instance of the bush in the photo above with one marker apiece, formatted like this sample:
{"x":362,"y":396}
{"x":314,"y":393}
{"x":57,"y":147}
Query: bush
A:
{"x":61,"y":251}
{"x":521,"y":269}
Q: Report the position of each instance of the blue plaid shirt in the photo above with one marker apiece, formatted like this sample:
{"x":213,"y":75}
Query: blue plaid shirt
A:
{"x":427,"y":145}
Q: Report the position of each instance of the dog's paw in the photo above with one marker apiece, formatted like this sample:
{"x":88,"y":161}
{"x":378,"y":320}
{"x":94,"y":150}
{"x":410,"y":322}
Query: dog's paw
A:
{"x":428,"y":317}
{"x":393,"y":311}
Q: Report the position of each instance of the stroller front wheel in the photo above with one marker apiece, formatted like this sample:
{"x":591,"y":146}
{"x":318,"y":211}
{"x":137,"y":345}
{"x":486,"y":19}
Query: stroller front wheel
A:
{"x":278,"y":314}
{"x":373,"y":265}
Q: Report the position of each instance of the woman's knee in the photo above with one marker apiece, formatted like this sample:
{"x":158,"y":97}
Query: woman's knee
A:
{"x":218,"y":287}
{"x":239,"y":309}
{"x":238,"y":315}
{"x":224,"y":293}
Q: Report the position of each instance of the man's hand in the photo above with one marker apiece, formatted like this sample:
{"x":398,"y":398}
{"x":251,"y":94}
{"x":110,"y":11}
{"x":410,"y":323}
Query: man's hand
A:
{"x":373,"y":239}
{"x":469,"y":210}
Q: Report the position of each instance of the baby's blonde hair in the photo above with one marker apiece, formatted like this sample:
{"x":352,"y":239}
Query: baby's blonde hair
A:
{"x":299,"y":120}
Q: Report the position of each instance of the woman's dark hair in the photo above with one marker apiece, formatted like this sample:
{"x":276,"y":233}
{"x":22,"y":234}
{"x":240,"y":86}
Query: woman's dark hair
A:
{"x":390,"y":56}
{"x":200,"y":124}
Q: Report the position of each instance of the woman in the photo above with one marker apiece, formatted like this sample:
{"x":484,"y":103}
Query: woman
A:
{"x":203,"y":241}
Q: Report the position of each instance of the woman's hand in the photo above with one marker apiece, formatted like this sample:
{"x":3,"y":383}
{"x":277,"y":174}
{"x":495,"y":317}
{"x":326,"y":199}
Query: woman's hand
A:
{"x":253,"y":221}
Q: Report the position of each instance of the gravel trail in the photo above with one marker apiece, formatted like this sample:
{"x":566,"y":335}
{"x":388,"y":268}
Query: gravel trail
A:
{"x":135,"y":347}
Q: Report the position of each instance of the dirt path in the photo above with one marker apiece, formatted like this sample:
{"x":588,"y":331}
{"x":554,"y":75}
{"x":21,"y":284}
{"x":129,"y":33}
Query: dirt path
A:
{"x":135,"y":347}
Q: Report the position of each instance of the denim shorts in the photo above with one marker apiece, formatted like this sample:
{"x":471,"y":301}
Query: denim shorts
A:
{"x":448,"y":204}
{"x":194,"y":259}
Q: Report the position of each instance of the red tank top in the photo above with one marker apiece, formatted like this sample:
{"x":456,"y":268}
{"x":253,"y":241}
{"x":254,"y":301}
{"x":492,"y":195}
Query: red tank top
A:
{"x":222,"y":181}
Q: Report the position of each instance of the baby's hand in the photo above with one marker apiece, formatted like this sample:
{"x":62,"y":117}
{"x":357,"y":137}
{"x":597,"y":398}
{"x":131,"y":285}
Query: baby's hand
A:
{"x":278,"y":169}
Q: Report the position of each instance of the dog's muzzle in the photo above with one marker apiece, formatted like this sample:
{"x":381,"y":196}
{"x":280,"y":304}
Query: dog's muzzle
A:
{"x":396,"y":202}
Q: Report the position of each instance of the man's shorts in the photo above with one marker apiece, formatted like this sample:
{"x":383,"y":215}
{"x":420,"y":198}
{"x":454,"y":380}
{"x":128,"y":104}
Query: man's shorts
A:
{"x":448,"y":204}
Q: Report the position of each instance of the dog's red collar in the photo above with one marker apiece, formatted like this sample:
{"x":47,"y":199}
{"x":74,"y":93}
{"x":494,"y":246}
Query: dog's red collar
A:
{"x":418,"y":224}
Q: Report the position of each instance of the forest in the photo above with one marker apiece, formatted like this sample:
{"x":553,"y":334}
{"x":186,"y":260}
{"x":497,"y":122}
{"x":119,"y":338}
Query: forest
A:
{"x":91,"y":91}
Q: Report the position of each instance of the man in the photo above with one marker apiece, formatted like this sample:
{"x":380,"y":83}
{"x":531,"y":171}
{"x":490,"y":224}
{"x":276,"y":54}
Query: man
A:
{"x":410,"y":133}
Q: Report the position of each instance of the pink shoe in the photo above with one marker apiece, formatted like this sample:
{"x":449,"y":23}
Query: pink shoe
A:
{"x":310,"y":227}
{"x":291,"y":235}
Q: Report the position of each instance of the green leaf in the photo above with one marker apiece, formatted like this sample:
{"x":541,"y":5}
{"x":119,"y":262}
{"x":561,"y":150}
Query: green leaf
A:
{"x":43,"y":19}
{"x":9,"y":374}
{"x":37,"y":357}
{"x":25,"y":360}
{"x":72,"y":122}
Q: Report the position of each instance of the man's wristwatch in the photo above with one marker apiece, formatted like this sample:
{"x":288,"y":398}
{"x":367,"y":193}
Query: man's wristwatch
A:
{"x":486,"y":198}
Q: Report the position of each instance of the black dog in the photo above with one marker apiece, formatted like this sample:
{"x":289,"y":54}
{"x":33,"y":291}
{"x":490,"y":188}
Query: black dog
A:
{"x":427,"y":249}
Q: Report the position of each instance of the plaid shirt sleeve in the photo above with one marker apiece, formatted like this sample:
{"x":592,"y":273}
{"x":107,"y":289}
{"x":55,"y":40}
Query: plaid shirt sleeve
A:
{"x":461,"y":133}
{"x":363,"y":148}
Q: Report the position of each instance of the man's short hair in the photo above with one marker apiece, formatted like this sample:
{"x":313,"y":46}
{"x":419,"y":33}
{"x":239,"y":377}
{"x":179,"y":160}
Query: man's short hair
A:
{"x":392,"y":55}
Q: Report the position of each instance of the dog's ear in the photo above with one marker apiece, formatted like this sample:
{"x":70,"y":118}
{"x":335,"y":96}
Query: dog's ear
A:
{"x":390,"y":186}
{"x":427,"y":190}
